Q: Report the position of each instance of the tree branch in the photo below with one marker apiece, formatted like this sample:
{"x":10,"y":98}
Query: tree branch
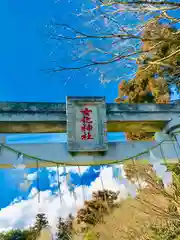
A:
{"x":127,"y":36}
{"x":175,"y":4}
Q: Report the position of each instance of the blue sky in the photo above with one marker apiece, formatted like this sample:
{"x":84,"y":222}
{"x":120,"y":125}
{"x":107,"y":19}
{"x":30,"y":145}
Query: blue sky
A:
{"x":11,"y":191}
{"x":25,"y":50}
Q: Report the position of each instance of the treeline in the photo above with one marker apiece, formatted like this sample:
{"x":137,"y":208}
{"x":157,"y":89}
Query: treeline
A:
{"x":95,"y":212}
{"x":158,"y":203}
{"x":91,"y":214}
{"x":64,"y":229}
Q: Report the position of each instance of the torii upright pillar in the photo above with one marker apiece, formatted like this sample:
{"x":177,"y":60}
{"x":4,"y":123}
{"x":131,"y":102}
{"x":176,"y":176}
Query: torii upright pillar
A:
{"x":169,"y":150}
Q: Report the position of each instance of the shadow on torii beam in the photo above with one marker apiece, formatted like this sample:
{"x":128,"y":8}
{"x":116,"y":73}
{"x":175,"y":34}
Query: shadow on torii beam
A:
{"x":51,"y":117}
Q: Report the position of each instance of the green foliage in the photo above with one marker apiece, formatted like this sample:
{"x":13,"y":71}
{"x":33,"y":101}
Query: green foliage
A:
{"x":169,"y":231}
{"x":64,"y":228}
{"x":138,"y":169}
{"x":158,"y":69}
{"x":90,"y":235}
{"x":158,"y":66}
{"x":16,"y":234}
{"x":94,"y":210}
{"x":175,"y":168}
{"x":41,"y":222}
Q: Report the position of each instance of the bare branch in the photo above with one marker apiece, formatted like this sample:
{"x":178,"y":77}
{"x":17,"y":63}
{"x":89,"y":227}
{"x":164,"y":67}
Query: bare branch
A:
{"x":94,"y":63}
{"x":126,"y":36}
{"x":170,"y":3}
{"x":113,"y":37}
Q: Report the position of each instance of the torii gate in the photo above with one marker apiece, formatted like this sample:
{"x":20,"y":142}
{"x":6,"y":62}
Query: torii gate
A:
{"x":33,"y":117}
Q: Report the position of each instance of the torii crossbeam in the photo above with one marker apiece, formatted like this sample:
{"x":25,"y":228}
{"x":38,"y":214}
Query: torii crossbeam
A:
{"x":35,"y":117}
{"x":51,"y":118}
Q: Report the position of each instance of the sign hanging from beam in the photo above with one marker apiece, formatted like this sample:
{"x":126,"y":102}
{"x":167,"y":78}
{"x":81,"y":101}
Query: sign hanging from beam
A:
{"x":86,"y":124}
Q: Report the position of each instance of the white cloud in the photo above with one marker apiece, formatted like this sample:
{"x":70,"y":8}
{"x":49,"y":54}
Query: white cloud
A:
{"x":68,"y":169}
{"x":32,"y":176}
{"x":22,"y":214}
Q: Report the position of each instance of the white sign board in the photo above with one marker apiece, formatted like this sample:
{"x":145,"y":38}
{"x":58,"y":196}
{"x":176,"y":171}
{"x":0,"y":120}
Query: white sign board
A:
{"x":86,"y":124}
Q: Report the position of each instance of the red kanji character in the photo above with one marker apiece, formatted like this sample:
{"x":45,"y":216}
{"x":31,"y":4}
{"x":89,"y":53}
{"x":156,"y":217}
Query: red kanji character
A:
{"x":86,"y":111}
{"x":83,"y":120}
{"x":83,"y":137}
{"x":83,"y":128}
{"x":86,"y":120}
{"x":89,"y":127}
{"x":89,"y":136}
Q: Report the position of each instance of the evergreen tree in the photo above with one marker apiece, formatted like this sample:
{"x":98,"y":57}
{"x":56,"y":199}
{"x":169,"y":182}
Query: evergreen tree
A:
{"x":94,"y":210}
{"x":16,"y":234}
{"x":41,"y":222}
{"x":158,"y":68}
{"x":64,"y":228}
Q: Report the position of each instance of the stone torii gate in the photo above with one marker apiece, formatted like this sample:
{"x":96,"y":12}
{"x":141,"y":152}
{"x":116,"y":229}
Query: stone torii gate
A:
{"x":33,"y":117}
